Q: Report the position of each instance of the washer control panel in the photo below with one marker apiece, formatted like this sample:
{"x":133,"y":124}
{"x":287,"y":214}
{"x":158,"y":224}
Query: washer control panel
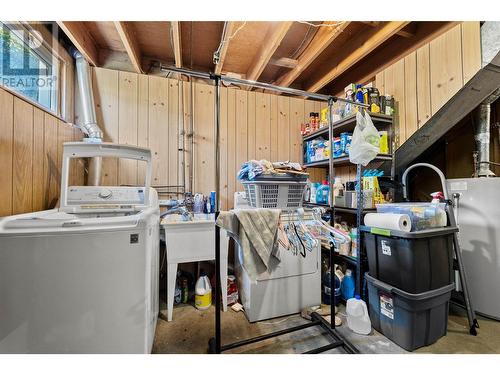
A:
{"x":103,"y":195}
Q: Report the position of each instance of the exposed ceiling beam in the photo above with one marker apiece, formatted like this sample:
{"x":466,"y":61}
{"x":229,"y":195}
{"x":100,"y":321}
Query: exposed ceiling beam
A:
{"x":366,"y":69}
{"x":284,"y":62}
{"x":80,"y":36}
{"x":273,"y":39}
{"x":127,"y":36}
{"x":230,"y":27}
{"x":323,"y":38}
{"x":362,"y":46}
{"x":371,"y":23}
{"x":406,"y":34}
{"x":403,"y":33}
{"x":176,"y":36}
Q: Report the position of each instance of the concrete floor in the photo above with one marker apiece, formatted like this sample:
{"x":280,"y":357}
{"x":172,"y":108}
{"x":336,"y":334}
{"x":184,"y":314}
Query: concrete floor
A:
{"x":191,"y":329}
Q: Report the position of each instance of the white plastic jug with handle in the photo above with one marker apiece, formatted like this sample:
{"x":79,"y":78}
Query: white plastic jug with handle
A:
{"x":357,"y":316}
{"x":203,"y":293}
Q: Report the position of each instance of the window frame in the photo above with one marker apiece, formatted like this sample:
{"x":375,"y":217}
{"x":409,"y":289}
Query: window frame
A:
{"x":62,"y":68}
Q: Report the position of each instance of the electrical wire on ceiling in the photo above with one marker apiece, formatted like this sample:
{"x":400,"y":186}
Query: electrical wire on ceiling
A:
{"x":225,"y":39}
{"x":322,"y":24}
{"x":298,"y":51}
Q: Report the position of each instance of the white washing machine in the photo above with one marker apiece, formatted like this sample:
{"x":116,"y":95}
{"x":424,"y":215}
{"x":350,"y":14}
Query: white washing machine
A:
{"x":83,"y":278}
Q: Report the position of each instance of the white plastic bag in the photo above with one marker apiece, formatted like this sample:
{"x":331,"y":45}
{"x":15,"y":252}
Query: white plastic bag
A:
{"x":365,"y":140}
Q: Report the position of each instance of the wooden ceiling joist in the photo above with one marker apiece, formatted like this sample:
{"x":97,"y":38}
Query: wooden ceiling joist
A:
{"x":284,"y":62}
{"x":323,"y":38}
{"x":404,"y":33}
{"x":365,"y":46}
{"x":81,"y":37}
{"x":177,"y":42}
{"x":129,"y":41}
{"x":226,"y":37}
{"x":273,"y":40}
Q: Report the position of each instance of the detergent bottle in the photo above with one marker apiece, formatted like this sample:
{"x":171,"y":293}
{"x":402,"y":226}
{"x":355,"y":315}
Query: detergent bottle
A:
{"x":326,"y":282}
{"x":203,"y":293}
{"x":323,"y":193}
{"x":347,"y":288}
{"x":357,"y":316}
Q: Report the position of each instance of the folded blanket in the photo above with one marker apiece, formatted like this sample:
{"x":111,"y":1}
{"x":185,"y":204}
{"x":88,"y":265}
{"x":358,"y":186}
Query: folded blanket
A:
{"x":255,"y":230}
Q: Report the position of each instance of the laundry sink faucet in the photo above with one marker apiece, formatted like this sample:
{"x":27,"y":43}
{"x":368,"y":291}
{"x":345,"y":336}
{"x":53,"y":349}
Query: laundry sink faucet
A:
{"x":181,"y":210}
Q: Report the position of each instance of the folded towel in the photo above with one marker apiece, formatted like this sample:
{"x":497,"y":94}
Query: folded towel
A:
{"x":255,"y":230}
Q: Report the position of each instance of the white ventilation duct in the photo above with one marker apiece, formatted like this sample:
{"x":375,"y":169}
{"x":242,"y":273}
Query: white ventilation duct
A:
{"x":482,"y":135}
{"x":89,"y":123}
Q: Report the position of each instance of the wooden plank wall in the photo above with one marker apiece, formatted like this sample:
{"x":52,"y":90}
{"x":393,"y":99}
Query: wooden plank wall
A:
{"x":427,"y":78}
{"x":30,"y":154}
{"x":153,"y":111}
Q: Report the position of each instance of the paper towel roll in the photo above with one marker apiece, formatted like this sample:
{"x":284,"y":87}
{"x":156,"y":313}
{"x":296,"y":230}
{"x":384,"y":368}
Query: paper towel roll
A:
{"x":400,"y":222}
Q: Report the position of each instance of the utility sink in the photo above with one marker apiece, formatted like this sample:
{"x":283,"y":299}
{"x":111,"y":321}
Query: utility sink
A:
{"x":196,"y":218}
{"x":192,"y":241}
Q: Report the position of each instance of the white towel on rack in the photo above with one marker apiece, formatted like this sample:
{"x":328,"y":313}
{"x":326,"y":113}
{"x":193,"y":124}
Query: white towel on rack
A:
{"x":255,"y":230}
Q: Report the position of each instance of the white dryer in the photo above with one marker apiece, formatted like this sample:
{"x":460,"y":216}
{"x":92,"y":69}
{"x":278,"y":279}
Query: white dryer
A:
{"x":83,"y":278}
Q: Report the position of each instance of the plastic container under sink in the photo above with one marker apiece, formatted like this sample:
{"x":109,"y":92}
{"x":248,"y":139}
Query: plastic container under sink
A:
{"x":358,"y":319}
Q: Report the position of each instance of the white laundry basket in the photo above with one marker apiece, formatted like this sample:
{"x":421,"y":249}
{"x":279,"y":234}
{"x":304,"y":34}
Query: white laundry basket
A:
{"x":275,"y":193}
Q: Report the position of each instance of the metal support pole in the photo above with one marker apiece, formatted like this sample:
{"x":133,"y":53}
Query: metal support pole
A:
{"x":262,"y":85}
{"x":333,"y":301}
{"x":217,"y":210}
{"x":359,"y":214}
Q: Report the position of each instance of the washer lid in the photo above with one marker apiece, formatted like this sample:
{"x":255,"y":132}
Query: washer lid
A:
{"x":50,"y":220}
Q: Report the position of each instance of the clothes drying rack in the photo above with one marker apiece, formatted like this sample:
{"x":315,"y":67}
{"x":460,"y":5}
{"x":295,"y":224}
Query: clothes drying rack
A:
{"x":215,"y":345}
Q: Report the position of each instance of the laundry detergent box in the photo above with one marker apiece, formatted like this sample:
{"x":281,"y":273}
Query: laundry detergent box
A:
{"x":337,"y":149}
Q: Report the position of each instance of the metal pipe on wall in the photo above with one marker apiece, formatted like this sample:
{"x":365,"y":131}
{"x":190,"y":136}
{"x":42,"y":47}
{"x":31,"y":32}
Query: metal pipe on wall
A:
{"x":482,"y":135}
{"x":89,"y":123}
{"x":181,"y":140}
{"x":262,"y":85}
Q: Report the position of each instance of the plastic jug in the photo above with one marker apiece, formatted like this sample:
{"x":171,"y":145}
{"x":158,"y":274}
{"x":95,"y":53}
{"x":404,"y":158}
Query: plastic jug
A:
{"x":338,"y":187}
{"x":357,"y":316}
{"x":348,"y":285}
{"x":203,"y":293}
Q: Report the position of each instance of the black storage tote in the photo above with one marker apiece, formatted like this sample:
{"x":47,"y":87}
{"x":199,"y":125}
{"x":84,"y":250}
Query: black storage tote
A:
{"x":409,"y":320}
{"x":415,"y":262}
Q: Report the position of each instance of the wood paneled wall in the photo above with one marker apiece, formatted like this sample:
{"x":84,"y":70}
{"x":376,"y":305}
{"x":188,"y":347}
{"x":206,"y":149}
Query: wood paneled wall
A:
{"x":258,"y":125}
{"x":30,"y":156}
{"x":426,"y":79}
{"x":154,"y":112}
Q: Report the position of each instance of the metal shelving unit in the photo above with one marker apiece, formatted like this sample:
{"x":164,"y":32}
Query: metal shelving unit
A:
{"x":348,"y":124}
{"x":343,"y":161}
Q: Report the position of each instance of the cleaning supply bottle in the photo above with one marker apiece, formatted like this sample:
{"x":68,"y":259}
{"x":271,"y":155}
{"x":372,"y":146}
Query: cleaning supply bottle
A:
{"x":314,"y":190}
{"x":437,"y":197}
{"x":326,"y":284}
{"x":323,"y":193}
{"x":203,"y":293}
{"x":338,"y":187}
{"x":357,"y":316}
{"x":348,"y":286}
